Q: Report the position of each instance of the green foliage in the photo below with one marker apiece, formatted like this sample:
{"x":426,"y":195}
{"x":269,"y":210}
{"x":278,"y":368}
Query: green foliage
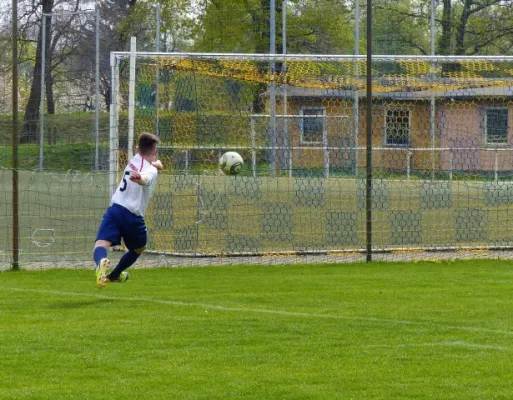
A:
{"x":244,"y":26}
{"x":322,"y":27}
{"x":462,"y":27}
{"x":401,"y":27}
{"x":327,"y":27}
{"x":176,"y":25}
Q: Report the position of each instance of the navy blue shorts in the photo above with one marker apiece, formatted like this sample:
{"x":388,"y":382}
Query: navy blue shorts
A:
{"x":119,"y":223}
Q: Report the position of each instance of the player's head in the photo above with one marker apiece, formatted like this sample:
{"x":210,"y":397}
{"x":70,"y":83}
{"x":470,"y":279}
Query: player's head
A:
{"x":147,"y":145}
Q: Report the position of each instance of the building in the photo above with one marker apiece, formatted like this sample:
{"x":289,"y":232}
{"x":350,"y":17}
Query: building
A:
{"x":467,"y":130}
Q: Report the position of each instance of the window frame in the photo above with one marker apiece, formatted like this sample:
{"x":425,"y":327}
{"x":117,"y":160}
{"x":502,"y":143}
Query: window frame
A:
{"x":409,"y":111}
{"x":302,"y":139}
{"x":496,"y":144}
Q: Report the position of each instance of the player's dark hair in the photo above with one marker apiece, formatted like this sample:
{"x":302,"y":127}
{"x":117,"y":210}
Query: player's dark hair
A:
{"x":147,"y":142}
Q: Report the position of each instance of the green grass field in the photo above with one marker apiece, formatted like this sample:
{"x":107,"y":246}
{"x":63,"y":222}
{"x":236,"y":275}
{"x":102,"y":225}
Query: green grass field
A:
{"x":375,"y":331}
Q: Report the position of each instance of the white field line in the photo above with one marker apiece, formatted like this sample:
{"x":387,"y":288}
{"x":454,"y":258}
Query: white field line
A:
{"x":457,"y":343}
{"x":262,"y":310}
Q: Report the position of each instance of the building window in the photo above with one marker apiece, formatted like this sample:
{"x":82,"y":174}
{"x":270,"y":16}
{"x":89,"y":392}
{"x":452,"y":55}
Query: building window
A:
{"x":397,"y":127}
{"x":497,"y":126}
{"x":312,"y":127}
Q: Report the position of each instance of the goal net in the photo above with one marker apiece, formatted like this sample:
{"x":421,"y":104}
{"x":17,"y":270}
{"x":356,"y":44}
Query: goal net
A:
{"x":441,"y":145}
{"x":441,"y":150}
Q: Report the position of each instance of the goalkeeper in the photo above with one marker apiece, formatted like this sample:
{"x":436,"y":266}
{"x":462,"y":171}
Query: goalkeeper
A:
{"x":124,"y":219}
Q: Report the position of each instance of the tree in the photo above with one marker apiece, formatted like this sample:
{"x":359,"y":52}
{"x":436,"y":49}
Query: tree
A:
{"x":62,"y":38}
{"x":482,"y":25}
{"x":114,"y":36}
{"x":401,"y":27}
{"x":69,"y":40}
{"x":122,"y":19}
{"x":5,"y":73}
{"x":474,"y":28}
{"x":463,"y":27}
{"x":32,"y":110}
{"x":176,"y":25}
{"x":313,"y":26}
{"x":64,"y":43}
{"x":320,"y":27}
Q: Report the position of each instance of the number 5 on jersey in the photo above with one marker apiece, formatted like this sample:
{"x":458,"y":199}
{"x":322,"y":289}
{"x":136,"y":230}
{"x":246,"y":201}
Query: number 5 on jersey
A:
{"x":123,"y":188}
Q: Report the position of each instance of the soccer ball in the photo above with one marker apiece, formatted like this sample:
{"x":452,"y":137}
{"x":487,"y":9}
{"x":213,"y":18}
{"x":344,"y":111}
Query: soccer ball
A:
{"x":231,"y":163}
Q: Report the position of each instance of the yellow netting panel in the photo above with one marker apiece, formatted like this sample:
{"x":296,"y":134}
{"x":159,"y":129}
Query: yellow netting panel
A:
{"x":441,"y":154}
{"x":339,"y":74}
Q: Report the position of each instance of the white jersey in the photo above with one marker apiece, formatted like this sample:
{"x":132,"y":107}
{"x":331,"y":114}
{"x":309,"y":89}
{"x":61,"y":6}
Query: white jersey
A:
{"x":131,"y":195}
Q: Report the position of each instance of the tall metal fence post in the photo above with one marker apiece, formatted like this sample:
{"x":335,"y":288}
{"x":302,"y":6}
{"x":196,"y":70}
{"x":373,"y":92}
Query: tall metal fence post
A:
{"x":286,"y":142}
{"x":157,"y":46}
{"x":496,"y":167}
{"x":42,"y":99}
{"x":15,"y":198}
{"x":114,"y":121}
{"x":368,"y":186}
{"x":326,"y":152}
{"x":97,"y":89}
{"x":131,"y":97}
{"x":355,"y":95}
{"x":272,"y":124}
{"x":432,"y":102}
{"x":253,"y":146}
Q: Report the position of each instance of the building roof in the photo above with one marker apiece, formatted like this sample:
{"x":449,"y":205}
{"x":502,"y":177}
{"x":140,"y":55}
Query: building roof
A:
{"x":407,"y":94}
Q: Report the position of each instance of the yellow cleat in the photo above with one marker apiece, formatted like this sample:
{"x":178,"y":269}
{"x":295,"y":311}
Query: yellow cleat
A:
{"x":101,"y":277}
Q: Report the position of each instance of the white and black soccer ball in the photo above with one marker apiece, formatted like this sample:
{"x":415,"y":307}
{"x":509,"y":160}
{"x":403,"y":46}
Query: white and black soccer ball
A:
{"x":231,"y":163}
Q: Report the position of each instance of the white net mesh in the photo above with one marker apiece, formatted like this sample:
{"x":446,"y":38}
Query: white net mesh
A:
{"x":441,"y":153}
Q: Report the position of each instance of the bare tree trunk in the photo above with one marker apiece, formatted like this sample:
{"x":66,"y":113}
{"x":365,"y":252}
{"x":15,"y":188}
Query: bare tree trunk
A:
{"x":462,"y":27}
{"x":28,"y":135}
{"x":444,"y":47}
{"x":106,"y":92}
{"x":52,"y":41}
{"x":50,"y":102}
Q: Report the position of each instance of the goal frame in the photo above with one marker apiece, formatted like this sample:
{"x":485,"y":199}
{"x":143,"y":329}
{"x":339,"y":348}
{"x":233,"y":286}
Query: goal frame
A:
{"x":133,"y":56}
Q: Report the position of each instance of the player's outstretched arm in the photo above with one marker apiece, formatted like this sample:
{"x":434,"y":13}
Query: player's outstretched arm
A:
{"x":141,"y":179}
{"x":158,"y":164}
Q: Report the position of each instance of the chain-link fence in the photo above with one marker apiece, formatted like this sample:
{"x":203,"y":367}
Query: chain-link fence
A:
{"x":440,"y":149}
{"x":441,"y":131}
